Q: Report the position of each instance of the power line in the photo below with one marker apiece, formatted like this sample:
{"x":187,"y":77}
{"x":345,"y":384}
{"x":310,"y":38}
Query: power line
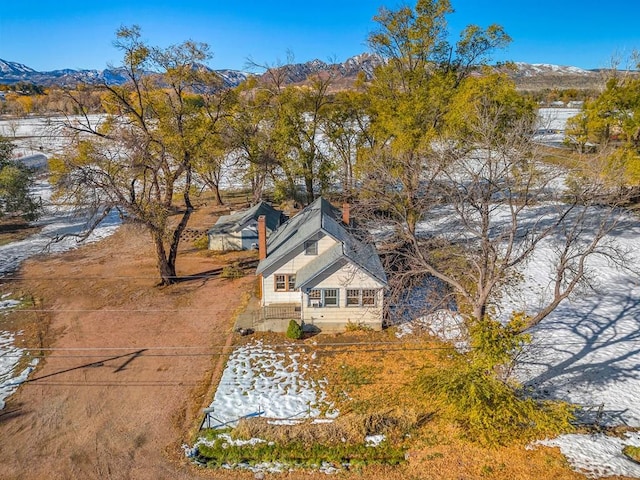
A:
{"x":317,"y":349}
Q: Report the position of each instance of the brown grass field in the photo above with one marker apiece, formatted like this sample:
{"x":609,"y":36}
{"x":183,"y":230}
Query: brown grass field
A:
{"x":127,"y":368}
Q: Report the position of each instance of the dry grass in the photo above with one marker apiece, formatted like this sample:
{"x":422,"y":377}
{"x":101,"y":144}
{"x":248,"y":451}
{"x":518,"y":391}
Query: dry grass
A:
{"x":390,"y":403}
{"x":350,"y":428}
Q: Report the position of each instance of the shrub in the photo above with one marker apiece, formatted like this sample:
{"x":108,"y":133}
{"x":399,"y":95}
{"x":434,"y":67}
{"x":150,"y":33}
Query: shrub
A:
{"x":232,"y":271}
{"x":357,"y":327}
{"x":632,"y":452}
{"x":294,"y":331}
{"x":473,"y":389}
{"x":201,"y":243}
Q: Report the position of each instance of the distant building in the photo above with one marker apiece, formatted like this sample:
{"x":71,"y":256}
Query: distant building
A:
{"x":239,"y":230}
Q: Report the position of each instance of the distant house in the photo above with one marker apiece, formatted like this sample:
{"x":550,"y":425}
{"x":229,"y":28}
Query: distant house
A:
{"x":239,"y":230}
{"x":314,"y":270}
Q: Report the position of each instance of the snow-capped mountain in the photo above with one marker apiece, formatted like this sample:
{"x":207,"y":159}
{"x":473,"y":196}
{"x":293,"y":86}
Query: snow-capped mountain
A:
{"x":526,"y":75}
{"x":534,"y":69}
{"x":13,"y":72}
{"x":13,"y":68}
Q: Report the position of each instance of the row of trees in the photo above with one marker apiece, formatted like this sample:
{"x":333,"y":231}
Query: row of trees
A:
{"x":610,"y":122}
{"x":44,"y":101}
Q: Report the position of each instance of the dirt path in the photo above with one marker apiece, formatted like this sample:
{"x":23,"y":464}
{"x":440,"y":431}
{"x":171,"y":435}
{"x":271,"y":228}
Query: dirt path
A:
{"x":130,"y":368}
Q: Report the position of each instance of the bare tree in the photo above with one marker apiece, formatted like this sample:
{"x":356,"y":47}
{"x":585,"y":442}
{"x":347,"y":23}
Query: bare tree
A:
{"x":489,"y":205}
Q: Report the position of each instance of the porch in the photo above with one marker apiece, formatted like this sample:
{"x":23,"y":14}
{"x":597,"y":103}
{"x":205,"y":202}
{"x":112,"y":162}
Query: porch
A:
{"x":270,"y":318}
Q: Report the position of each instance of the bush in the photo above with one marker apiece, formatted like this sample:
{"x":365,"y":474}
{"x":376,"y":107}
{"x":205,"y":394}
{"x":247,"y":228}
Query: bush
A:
{"x":473,"y":389}
{"x":357,"y":327}
{"x":294,"y":331}
{"x":201,"y":243}
{"x":632,"y":452}
{"x":232,"y":271}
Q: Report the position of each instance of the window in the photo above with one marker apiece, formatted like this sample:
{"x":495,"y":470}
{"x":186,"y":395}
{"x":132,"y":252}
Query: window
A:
{"x":326,"y":297}
{"x":284,"y":283}
{"x":369,"y":298}
{"x":364,"y":298}
{"x":311,"y":247}
{"x":330,"y":297}
{"x":353,"y":297}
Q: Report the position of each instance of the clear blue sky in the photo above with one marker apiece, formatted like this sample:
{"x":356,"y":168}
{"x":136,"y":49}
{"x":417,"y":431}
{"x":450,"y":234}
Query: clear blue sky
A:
{"x":48,"y":35}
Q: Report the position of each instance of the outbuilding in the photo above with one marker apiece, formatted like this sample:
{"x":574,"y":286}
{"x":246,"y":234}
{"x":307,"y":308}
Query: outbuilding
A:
{"x":239,"y":230}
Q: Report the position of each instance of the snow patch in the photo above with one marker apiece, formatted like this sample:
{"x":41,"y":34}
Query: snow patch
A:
{"x":598,"y":455}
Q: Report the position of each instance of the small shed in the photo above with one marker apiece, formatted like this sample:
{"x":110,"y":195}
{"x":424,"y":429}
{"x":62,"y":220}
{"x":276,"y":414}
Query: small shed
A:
{"x":239,"y":230}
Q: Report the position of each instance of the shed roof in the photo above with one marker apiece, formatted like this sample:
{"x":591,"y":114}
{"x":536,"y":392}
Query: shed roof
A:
{"x":238,"y":220}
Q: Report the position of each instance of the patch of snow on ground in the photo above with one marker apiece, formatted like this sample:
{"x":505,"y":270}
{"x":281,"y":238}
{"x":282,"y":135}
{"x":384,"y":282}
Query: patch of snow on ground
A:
{"x":260,"y":381}
{"x":374,"y":440}
{"x":8,"y":304}
{"x":446,"y":325}
{"x":56,"y":222}
{"x":9,"y":357}
{"x":597,"y":455}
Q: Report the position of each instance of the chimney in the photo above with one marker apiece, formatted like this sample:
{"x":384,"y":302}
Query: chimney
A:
{"x":262,"y":237}
{"x":345,"y":213}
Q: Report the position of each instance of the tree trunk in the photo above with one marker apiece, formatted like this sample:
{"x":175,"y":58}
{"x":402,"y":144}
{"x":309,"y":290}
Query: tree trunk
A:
{"x":217,"y":197}
{"x":175,"y":240}
{"x":165,"y":268}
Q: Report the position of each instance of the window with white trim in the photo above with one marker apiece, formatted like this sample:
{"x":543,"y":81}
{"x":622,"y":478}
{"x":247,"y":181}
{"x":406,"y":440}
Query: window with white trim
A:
{"x":357,"y":297}
{"x":284,"y":283}
{"x":324,"y":297}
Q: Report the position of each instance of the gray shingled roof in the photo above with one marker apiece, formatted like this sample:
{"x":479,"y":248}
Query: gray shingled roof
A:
{"x":319,"y":217}
{"x":237,"y":221}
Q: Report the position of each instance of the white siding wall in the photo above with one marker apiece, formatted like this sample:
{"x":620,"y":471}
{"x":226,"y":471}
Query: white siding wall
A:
{"x":336,"y":318}
{"x":270,"y":295}
{"x":291,"y":267}
{"x":225,"y":242}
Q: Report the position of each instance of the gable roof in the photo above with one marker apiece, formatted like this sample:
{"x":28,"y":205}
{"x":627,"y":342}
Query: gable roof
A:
{"x":319,"y":217}
{"x":238,"y":220}
{"x":342,"y":253}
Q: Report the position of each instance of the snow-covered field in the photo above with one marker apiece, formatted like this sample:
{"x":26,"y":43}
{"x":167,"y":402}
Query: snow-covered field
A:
{"x":552,"y":123}
{"x":56,"y":222}
{"x":39,"y":135}
{"x":259,"y":380}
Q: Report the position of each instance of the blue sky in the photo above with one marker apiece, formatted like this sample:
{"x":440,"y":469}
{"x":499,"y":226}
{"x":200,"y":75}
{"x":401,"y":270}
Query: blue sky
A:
{"x":65,"y":34}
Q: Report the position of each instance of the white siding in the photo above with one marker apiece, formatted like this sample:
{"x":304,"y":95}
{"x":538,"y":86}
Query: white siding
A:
{"x":336,"y":318}
{"x":299,"y":261}
{"x":225,"y":242}
{"x":290,"y":268}
{"x":329,"y":319}
{"x":270,"y":295}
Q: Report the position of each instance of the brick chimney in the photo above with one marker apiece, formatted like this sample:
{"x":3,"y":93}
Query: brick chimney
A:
{"x":262,"y":237}
{"x":345,"y":214}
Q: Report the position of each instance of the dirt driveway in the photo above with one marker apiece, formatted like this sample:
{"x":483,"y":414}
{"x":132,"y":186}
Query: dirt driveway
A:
{"x":129,"y":368}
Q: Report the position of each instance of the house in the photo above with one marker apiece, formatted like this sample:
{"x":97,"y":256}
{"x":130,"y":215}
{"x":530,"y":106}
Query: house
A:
{"x":312,"y":269}
{"x":239,"y":230}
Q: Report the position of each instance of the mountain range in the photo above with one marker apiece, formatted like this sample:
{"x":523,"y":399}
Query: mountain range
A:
{"x":527,"y":76}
